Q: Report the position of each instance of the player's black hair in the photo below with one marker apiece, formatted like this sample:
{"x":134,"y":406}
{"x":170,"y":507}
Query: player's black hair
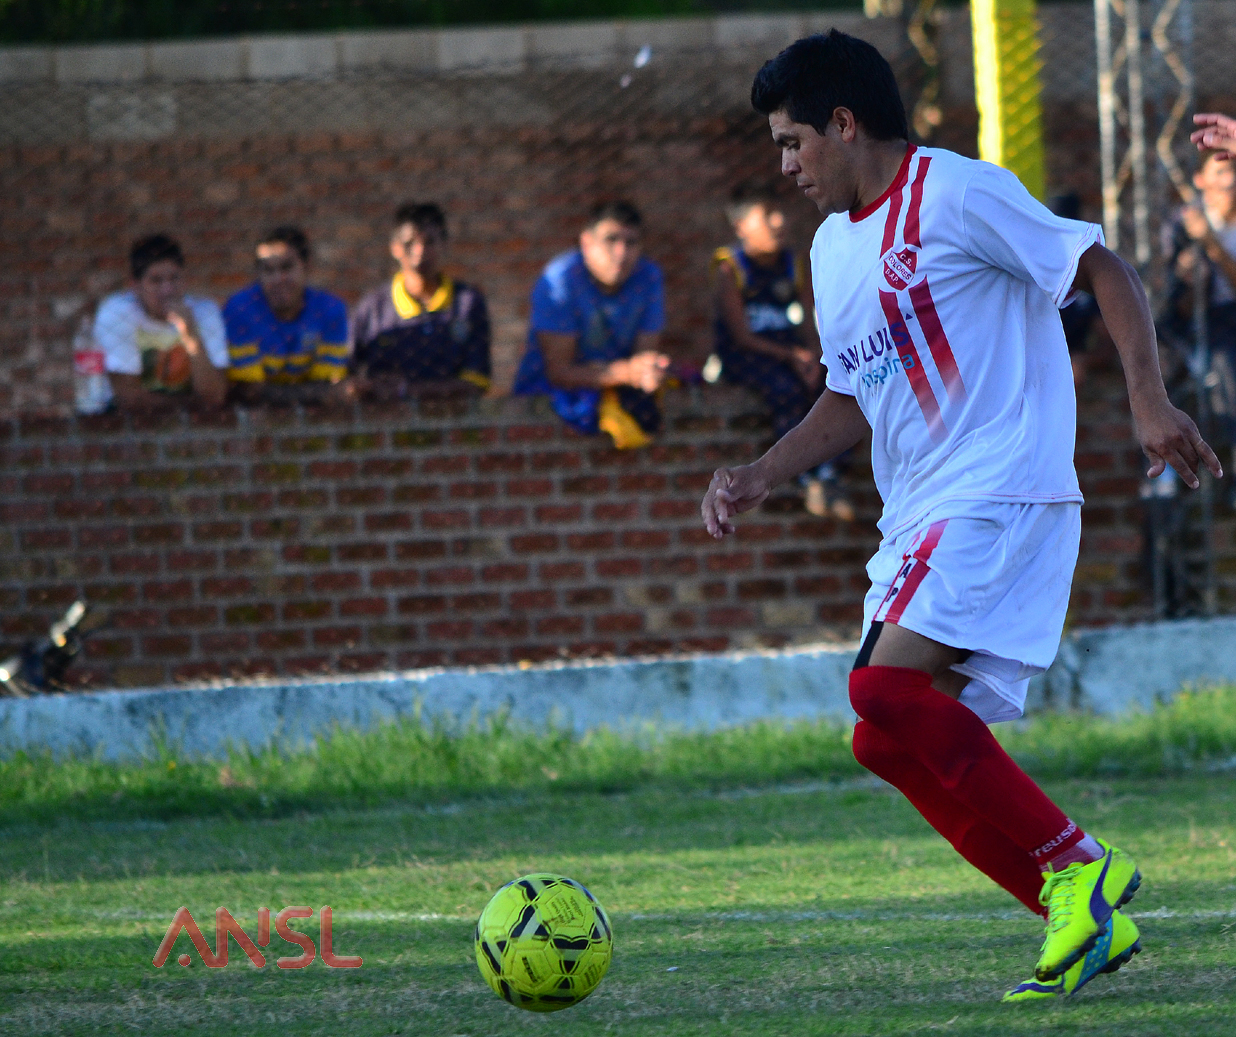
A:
{"x":813,"y":77}
{"x":153,"y":248}
{"x":620,"y":211}
{"x":746,"y":197}
{"x":293,"y":237}
{"x":421,"y":215}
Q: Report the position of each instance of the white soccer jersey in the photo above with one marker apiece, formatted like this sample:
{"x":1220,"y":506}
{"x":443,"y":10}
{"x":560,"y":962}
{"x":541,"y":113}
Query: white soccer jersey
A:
{"x":938,"y":307}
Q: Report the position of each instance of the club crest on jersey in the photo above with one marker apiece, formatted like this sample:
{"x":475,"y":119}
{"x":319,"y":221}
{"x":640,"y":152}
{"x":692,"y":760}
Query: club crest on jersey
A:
{"x":900,"y":267}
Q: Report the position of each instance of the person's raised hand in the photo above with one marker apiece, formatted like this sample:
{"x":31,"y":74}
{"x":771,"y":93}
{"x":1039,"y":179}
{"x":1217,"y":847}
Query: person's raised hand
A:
{"x":1169,"y":437}
{"x":180,"y":317}
{"x":1217,"y":133}
{"x":646,"y":371}
{"x":731,"y":492}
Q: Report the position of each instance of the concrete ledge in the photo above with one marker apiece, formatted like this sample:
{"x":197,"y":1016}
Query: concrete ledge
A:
{"x":703,"y":692}
{"x":487,"y":48}
{"x":1105,"y":671}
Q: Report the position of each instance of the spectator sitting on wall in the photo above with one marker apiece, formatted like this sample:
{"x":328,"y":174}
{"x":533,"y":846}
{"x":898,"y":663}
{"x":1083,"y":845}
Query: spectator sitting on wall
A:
{"x":159,"y":344}
{"x":597,"y":315}
{"x":286,"y":340}
{"x":1210,"y":222}
{"x":424,"y":328}
{"x":765,"y":334}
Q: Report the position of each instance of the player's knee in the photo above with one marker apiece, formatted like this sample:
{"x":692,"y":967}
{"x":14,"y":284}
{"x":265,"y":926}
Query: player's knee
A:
{"x":870,"y":748}
{"x":867,"y":692}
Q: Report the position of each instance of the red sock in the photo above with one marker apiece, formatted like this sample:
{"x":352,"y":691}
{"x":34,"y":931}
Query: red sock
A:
{"x":961,"y":752}
{"x":983,"y":845}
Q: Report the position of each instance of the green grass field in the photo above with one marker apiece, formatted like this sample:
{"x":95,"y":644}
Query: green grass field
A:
{"x":799,"y":909}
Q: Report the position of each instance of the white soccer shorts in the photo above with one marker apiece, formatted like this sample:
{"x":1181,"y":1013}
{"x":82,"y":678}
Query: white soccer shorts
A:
{"x":990,"y":578}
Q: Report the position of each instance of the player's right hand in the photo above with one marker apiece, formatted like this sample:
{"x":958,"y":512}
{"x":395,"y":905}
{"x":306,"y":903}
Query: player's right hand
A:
{"x":731,"y":492}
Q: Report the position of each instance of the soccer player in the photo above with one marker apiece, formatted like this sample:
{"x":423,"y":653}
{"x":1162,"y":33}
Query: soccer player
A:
{"x":941,"y":279}
{"x":159,"y":344}
{"x":286,"y":340}
{"x":597,"y":315}
{"x":765,"y":329}
{"x":425,"y":328}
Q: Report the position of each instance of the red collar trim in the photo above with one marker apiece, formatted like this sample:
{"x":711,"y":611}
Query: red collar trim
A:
{"x":899,"y":181}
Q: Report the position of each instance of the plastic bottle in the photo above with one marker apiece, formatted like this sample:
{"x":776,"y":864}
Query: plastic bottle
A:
{"x":92,"y":390}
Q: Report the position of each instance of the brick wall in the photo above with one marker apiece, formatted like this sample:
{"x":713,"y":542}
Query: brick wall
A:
{"x":279,"y":543}
{"x":260,"y":542}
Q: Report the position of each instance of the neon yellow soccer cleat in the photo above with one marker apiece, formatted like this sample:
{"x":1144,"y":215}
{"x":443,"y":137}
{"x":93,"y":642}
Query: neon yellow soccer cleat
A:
{"x":1113,"y":949}
{"x":1080,"y":901}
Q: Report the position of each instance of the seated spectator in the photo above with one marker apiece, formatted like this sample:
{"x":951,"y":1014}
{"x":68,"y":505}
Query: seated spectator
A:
{"x":424,"y":328}
{"x":287,"y":341}
{"x":765,"y":334}
{"x":159,"y":344}
{"x":597,"y":315}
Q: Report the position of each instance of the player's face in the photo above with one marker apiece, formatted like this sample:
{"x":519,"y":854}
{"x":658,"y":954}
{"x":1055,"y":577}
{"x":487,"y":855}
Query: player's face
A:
{"x":1217,"y":182}
{"x":419,"y":250}
{"x":761,"y":230}
{"x":610,"y":252}
{"x":281,"y":273}
{"x":817,"y":162}
{"x":160,"y":287}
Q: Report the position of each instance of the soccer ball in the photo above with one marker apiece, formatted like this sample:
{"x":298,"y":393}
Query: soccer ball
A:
{"x":543,"y":943}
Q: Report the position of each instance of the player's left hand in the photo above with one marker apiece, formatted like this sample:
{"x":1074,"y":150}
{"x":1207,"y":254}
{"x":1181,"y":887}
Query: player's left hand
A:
{"x":731,"y":492}
{"x":1169,"y":437}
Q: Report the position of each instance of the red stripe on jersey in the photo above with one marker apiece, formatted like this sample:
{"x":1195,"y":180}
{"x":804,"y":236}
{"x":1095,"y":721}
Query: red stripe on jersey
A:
{"x":912,"y":234}
{"x":941,"y":352}
{"x":890,"y":223}
{"x":898,"y":183}
{"x":913,"y":367}
{"x":916,"y":574}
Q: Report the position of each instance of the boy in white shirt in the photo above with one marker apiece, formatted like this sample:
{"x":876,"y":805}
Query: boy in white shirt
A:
{"x":158,"y":343}
{"x":941,"y":279}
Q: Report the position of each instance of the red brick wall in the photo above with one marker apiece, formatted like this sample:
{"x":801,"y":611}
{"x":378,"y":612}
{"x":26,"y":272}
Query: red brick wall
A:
{"x":271,"y":542}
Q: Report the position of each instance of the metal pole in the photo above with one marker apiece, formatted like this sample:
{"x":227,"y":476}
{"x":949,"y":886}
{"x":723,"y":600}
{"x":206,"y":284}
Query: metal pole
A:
{"x":1107,"y":123}
{"x":1137,"y":132}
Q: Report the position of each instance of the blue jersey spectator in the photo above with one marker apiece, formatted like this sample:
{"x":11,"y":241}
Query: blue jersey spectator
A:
{"x":597,"y":313}
{"x":280,"y":331}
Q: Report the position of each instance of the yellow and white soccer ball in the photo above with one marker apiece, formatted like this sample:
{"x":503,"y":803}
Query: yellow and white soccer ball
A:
{"x":543,"y":942}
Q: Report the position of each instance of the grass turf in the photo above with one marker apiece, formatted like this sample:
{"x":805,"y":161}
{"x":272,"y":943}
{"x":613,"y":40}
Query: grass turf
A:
{"x":805,"y":910}
{"x":412,"y":761}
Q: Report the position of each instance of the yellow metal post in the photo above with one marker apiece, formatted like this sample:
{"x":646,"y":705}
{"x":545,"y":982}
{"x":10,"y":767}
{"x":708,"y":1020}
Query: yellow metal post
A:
{"x":1007,"y":88}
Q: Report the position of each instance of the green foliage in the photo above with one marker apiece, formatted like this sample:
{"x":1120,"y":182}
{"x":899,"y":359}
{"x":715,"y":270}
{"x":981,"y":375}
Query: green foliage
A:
{"x":420,"y":762}
{"x":27,"y":21}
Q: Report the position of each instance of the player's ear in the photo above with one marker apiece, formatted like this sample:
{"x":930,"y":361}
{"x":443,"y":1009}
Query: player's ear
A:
{"x":847,"y":125}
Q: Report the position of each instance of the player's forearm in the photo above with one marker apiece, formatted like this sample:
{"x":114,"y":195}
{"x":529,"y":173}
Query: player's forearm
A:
{"x":1126,"y":312}
{"x":833,"y":425}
